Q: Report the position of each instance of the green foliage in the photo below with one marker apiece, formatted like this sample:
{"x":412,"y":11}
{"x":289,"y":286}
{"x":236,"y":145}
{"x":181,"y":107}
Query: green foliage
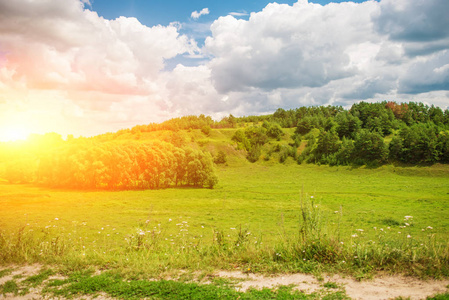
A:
{"x":347,"y":125}
{"x":36,"y":280}
{"x":274,"y":131}
{"x":328,"y":144}
{"x":254,"y":154}
{"x":9,"y":287}
{"x":221,"y":157}
{"x":444,"y":296}
{"x":115,"y":286}
{"x":206,"y":129}
{"x":369,"y":148}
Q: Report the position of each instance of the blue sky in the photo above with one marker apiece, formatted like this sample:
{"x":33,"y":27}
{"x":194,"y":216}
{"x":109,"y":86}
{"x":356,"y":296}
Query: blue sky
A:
{"x":86,"y":67}
{"x":160,"y":12}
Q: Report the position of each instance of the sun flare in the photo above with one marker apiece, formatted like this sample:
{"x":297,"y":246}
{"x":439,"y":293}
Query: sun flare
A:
{"x":10,"y":134}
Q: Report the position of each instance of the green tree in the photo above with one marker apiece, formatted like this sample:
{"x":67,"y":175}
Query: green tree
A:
{"x":369,"y":147}
{"x":328,"y":143}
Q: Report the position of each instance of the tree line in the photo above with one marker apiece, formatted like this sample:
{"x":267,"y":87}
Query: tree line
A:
{"x":89,"y":164}
{"x":367,"y":133}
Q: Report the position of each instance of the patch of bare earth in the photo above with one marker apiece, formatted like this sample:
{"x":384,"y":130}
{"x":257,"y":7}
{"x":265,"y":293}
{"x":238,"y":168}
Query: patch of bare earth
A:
{"x":386,"y":287}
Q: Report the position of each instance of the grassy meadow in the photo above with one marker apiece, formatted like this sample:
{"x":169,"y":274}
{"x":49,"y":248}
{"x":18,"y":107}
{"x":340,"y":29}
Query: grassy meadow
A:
{"x":264,"y":217}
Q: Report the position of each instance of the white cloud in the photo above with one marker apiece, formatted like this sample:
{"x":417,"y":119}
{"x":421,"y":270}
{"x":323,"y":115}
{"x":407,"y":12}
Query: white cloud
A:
{"x":288,"y":46}
{"x":195,"y":15}
{"x":64,"y":63}
{"x":238,"y":14}
{"x":90,"y":63}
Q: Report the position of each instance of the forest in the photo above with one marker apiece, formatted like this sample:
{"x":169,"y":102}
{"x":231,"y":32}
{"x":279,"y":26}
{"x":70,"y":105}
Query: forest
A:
{"x":366,"y":134}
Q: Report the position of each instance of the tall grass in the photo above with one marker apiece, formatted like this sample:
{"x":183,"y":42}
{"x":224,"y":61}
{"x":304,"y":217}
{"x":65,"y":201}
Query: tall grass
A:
{"x":155,"y":249}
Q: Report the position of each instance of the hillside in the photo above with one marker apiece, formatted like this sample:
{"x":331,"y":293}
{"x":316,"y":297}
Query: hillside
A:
{"x":183,"y":151}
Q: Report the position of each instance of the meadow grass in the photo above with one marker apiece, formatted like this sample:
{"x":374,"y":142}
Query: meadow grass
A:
{"x":260,"y":218}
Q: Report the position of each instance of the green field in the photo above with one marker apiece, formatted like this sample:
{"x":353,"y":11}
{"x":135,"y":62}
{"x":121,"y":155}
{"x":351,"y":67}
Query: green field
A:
{"x":252,"y":214}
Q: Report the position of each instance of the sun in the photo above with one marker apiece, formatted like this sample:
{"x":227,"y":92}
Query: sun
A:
{"x":10,"y":134}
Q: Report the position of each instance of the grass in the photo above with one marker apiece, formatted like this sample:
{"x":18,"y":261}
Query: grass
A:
{"x":255,"y":206}
{"x":261,"y":217}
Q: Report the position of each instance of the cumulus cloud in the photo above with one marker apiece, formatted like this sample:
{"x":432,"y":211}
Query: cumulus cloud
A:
{"x":425,"y":76}
{"x":304,"y":45}
{"x":422,"y":25}
{"x":195,"y":15}
{"x":62,"y":62}
{"x":93,"y":62}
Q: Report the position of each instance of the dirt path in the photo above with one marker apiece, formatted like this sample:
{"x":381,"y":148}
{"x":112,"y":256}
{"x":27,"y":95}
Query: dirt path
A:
{"x":388,"y":287}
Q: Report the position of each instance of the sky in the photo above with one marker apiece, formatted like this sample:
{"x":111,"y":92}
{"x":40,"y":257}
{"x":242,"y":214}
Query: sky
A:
{"x":86,"y":67}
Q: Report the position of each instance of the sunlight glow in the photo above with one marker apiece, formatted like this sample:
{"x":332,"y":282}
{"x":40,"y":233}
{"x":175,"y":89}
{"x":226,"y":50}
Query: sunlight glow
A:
{"x":13,"y":133}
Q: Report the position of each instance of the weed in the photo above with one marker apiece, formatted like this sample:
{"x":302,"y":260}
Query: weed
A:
{"x":390,"y":222}
{"x":444,"y":296}
{"x":117,"y":287}
{"x":9,"y":287}
{"x":36,"y":280}
{"x":5,"y":272}
{"x":330,"y":285}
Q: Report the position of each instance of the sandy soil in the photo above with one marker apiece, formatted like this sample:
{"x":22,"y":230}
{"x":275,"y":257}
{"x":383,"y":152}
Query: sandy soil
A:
{"x":387,"y":287}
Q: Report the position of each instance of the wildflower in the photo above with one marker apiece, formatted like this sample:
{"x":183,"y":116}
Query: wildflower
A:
{"x":399,"y":232}
{"x":407,"y":224}
{"x":202,"y":226}
{"x":408,"y":217}
{"x":388,"y":227}
{"x":56,"y":219}
{"x":429,"y":227}
{"x":381,"y":229}
{"x":409,"y":236}
{"x":311,"y":197}
{"x":354,"y":235}
{"x":341,"y":243}
{"x":232,"y":228}
{"x":375,"y":228}
{"x":336,"y":211}
{"x":169,"y":220}
{"x":361,"y":230}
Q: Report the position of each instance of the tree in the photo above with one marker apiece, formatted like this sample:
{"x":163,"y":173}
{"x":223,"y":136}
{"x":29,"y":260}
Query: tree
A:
{"x":221,"y":157}
{"x":347,"y":125}
{"x":369,"y":147}
{"x":328,"y":143}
